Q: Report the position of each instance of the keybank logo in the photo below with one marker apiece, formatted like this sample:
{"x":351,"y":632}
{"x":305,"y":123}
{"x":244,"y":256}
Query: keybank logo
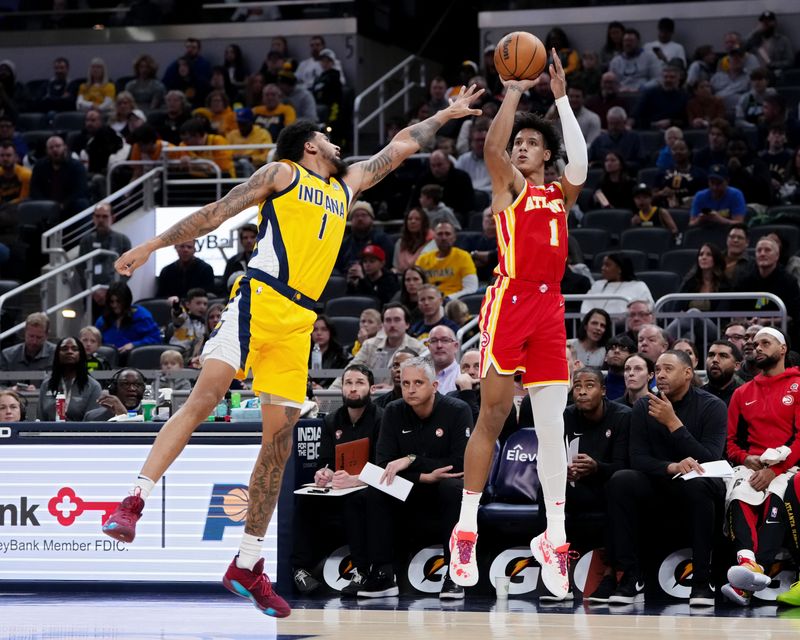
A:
{"x":19,"y":515}
{"x":227,"y":508}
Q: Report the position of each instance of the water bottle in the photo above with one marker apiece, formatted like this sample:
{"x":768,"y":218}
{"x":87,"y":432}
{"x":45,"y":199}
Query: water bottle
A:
{"x":148,"y":404}
{"x":316,"y":357}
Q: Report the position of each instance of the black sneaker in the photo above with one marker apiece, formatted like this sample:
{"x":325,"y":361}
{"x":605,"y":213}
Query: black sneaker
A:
{"x":702,"y":595}
{"x":356,"y":584}
{"x":451,"y":590}
{"x":607,"y":586}
{"x":629,"y":590}
{"x":304,"y":582}
{"x":379,"y":584}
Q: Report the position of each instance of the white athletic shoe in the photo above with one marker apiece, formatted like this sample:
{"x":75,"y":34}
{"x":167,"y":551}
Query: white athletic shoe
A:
{"x":463,"y":564}
{"x":554,"y":562}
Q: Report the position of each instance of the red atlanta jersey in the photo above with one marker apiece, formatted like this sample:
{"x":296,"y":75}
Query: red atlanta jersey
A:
{"x":532,"y":235}
{"x":764,"y":413}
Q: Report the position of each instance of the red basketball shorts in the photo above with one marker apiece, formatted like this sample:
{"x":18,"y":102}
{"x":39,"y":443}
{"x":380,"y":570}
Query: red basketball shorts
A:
{"x":522,"y":329}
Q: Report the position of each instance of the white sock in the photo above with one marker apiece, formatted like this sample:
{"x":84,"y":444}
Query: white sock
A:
{"x":142,"y":487}
{"x":468,"y":520}
{"x":249,"y":551}
{"x":745,"y":553}
{"x":548,"y":405}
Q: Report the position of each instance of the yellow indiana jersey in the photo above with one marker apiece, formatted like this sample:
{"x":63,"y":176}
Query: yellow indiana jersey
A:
{"x":300,"y":230}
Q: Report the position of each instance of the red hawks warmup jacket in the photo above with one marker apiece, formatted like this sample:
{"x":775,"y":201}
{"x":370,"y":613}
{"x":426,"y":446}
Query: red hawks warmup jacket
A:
{"x":764,"y":413}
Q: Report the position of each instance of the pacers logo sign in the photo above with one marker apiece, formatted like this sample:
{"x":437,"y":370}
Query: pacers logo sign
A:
{"x":426,"y":570}
{"x":518,"y":565}
{"x":227,"y":508}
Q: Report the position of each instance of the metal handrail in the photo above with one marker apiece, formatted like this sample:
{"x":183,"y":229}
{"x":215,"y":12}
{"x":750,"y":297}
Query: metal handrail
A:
{"x":734,"y":295}
{"x":195,"y":161}
{"x":49,"y":276}
{"x":52,"y":238}
{"x":383,"y":104}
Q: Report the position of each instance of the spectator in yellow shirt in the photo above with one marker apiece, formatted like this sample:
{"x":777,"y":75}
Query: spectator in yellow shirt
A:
{"x":97,"y":91}
{"x":449,"y":268}
{"x":247,"y":132}
{"x":272,"y":114}
{"x":194,"y":134}
{"x":15,"y":180}
{"x":223,"y":120}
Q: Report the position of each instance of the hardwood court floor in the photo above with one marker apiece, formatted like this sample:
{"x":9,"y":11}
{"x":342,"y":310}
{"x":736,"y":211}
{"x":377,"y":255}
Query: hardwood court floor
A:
{"x":179,"y":617}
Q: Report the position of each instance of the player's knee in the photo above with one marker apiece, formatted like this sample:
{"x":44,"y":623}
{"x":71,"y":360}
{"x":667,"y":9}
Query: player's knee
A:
{"x":202,"y":402}
{"x":494,"y":415}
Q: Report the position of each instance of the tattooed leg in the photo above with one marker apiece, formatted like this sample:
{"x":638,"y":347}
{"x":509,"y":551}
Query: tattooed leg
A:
{"x":265,"y":481}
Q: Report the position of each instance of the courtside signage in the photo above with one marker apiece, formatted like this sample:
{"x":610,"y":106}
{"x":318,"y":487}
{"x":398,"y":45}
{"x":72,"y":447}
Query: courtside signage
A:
{"x":54,"y":499}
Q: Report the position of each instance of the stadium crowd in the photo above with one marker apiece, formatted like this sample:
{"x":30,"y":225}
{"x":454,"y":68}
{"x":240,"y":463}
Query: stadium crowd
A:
{"x":694,"y":189}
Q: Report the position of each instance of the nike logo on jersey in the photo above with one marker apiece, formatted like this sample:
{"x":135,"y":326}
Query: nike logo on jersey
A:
{"x":747,"y":404}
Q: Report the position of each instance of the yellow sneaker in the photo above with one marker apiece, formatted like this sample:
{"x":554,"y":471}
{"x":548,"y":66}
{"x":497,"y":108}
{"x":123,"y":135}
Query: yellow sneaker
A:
{"x":791,"y":597}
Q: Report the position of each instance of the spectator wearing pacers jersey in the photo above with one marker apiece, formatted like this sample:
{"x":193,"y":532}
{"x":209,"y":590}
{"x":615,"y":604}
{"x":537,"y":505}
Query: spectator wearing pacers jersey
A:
{"x":449,"y":268}
{"x":15,"y":180}
{"x":762,"y":441}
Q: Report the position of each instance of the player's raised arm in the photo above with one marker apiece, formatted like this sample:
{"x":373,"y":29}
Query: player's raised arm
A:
{"x":363,"y":175}
{"x":574,"y":144}
{"x":267,"y":180}
{"x":507,"y":181}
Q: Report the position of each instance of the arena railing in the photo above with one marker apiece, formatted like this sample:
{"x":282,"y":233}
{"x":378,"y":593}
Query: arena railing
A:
{"x":65,"y":270}
{"x":379,"y":90}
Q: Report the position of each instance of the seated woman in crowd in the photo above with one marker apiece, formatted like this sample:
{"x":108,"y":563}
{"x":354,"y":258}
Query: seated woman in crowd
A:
{"x":615,"y":190}
{"x":71,"y":377}
{"x":413,"y":278}
{"x":124,"y":326}
{"x":618,"y":279}
{"x":691,"y":350}
{"x":332,"y":354}
{"x":97,"y":91}
{"x":595,"y":329}
{"x":147,"y":90}
{"x":12,"y":406}
{"x":120,"y":121}
{"x":369,"y":324}
{"x":92,"y":339}
{"x":416,"y":237}
{"x":639,"y":372}
{"x":222,"y":119}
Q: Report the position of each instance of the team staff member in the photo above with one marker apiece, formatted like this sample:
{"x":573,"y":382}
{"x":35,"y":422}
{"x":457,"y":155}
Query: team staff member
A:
{"x":317,"y":522}
{"x":422,"y":439}
{"x":672,"y":432}
{"x":522,"y":317}
{"x":303,"y":200}
{"x":763,"y":423}
{"x":722,"y":363}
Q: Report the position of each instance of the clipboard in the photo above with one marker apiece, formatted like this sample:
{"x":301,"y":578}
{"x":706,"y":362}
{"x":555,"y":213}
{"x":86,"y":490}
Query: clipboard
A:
{"x":352,"y":456}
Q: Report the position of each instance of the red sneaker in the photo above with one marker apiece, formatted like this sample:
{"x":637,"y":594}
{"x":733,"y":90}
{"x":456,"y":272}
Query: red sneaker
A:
{"x":255,"y":586}
{"x":121,"y":525}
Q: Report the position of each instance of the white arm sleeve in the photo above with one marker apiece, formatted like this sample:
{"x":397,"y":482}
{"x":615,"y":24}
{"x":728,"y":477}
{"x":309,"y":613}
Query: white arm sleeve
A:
{"x":577,"y":156}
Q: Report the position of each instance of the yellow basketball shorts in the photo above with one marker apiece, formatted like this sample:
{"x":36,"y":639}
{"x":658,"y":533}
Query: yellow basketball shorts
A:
{"x":263,"y":331}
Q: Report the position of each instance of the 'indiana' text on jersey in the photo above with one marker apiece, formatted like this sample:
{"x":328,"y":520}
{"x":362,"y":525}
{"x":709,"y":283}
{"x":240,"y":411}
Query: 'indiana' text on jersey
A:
{"x":300,"y":230}
{"x":532,"y":235}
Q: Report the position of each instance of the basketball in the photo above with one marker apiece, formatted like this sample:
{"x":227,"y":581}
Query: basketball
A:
{"x":520,"y":56}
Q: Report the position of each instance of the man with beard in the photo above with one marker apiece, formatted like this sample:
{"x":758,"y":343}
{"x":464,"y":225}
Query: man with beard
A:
{"x":748,"y":369}
{"x":399,"y":357}
{"x":617,"y":351}
{"x":266,"y":326}
{"x":357,"y":418}
{"x":722,"y":362}
{"x":762,"y":441}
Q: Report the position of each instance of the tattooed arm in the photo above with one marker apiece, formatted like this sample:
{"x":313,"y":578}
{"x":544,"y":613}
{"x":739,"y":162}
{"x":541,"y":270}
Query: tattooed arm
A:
{"x":268,"y":179}
{"x":363,"y":175}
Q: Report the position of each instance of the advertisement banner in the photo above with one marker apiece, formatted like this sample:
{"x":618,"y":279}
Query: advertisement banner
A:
{"x":54,"y":499}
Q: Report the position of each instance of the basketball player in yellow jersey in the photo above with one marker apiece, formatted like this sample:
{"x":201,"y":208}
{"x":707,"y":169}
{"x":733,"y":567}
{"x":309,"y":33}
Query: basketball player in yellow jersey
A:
{"x":266,"y":327}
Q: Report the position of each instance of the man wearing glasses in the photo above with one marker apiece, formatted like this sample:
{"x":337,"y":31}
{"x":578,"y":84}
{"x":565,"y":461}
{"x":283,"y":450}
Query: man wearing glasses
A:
{"x":125,"y":393}
{"x":443,"y":346}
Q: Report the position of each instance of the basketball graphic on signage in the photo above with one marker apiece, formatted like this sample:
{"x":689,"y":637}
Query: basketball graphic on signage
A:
{"x":234,"y":504}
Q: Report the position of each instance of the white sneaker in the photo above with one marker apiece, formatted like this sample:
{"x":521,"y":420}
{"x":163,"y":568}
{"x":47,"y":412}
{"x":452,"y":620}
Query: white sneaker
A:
{"x":463,"y":564}
{"x":554,"y":563}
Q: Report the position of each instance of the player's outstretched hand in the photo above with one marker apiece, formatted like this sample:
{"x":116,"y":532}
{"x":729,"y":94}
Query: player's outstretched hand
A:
{"x":519,"y":85}
{"x":459,"y":106}
{"x":558,"y":79}
{"x":131,"y":260}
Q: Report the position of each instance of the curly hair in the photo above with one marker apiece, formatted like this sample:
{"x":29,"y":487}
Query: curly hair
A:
{"x":550,"y":137}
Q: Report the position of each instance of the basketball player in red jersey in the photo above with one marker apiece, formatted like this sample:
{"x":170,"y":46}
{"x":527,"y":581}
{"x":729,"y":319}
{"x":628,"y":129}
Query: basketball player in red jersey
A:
{"x":522,"y":317}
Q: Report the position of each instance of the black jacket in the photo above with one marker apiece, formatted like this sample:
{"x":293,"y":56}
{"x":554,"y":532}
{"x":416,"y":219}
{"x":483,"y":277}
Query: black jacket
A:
{"x":338,"y":429}
{"x":705,"y":427}
{"x":438,"y":441}
{"x":176,"y":281}
{"x":606,"y":441}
